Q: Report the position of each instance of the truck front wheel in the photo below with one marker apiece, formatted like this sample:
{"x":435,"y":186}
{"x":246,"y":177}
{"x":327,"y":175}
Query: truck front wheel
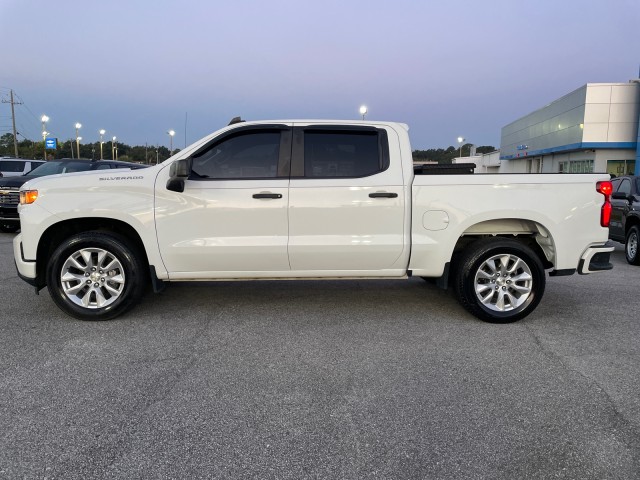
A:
{"x":95,"y":276}
{"x":499,"y":280}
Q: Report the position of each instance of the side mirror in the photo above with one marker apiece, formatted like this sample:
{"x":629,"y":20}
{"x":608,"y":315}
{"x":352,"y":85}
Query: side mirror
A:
{"x":178,"y":171}
{"x":619,"y":196}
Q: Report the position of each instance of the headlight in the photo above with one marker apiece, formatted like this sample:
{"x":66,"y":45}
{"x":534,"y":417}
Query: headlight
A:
{"x":28,"y":196}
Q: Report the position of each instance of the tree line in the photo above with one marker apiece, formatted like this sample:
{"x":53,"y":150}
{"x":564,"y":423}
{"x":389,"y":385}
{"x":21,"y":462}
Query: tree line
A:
{"x":446,"y":155}
{"x":151,"y":155}
{"x":35,"y":150}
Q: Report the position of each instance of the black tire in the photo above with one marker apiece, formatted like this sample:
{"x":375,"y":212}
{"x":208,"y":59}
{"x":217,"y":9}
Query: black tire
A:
{"x":631,"y":245}
{"x":9,"y":227}
{"x":124,"y":274}
{"x":519,"y":284}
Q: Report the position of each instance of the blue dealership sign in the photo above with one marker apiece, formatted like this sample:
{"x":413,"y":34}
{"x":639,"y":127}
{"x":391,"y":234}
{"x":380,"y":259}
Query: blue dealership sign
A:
{"x":51,"y":143}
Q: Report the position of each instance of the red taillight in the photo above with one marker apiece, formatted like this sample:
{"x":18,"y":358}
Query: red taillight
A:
{"x":605,"y":188}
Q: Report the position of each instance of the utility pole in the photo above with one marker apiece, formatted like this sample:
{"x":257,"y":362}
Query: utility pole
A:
{"x":13,"y":121}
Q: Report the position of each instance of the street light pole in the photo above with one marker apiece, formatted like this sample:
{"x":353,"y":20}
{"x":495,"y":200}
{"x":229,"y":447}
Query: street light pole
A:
{"x":102,"y":132}
{"x":460,"y":140}
{"x":113,"y":148}
{"x":171,"y":134}
{"x":78,"y":127}
{"x":44,"y":119}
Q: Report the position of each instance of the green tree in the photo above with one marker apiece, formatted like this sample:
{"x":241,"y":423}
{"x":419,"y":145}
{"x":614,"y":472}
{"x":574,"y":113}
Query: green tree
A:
{"x":6,"y":144}
{"x":446,"y":156}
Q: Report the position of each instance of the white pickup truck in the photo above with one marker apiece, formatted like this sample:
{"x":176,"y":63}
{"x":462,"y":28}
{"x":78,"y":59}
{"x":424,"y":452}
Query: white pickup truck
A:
{"x":308,"y":200}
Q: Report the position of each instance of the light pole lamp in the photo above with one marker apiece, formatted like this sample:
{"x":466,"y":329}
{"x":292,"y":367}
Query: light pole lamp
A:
{"x":102,"y":132}
{"x":113,"y":148}
{"x":44,"y":120}
{"x":171,"y":134}
{"x":460,"y":140}
{"x":78,"y":127}
{"x":363,"y":111}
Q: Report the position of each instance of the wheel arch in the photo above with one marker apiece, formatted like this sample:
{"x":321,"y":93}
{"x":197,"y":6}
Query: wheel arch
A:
{"x":529,"y":232}
{"x":630,"y":222}
{"x":57,"y":232}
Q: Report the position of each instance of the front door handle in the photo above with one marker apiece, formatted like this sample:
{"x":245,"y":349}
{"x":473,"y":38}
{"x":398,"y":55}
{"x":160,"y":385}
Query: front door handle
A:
{"x":267,"y":195}
{"x":383,"y":195}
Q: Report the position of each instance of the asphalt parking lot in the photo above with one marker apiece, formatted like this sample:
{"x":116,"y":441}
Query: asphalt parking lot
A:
{"x":349,"y":380}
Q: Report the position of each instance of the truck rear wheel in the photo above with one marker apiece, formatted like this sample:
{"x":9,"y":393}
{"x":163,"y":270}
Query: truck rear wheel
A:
{"x":95,"y":276}
{"x":499,"y":280}
{"x":631,"y":246}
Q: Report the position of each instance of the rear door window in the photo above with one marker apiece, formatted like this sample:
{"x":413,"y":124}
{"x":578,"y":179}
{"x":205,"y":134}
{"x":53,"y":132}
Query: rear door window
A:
{"x":341,"y":153}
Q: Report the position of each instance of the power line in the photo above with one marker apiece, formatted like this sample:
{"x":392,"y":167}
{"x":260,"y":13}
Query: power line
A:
{"x":28,"y":109}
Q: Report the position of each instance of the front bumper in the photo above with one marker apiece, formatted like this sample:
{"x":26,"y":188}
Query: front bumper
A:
{"x":596,"y":259}
{"x":26,"y":268}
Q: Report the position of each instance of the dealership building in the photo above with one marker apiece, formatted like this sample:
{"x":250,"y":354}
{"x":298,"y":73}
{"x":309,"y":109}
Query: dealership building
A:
{"x":592,"y":129}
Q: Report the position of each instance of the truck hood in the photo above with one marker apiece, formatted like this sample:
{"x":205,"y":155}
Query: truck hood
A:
{"x":90,"y":177}
{"x":15,"y":182}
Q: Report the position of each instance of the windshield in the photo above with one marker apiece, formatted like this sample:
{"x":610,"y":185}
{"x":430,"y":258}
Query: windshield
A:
{"x":51,"y":168}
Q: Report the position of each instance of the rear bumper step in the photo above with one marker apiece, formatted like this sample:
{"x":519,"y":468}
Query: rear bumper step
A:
{"x":596,"y":259}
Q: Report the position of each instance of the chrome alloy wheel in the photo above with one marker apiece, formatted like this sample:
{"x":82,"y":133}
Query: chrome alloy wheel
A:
{"x":503,"y":282}
{"x":632,"y":245}
{"x":92,"y":278}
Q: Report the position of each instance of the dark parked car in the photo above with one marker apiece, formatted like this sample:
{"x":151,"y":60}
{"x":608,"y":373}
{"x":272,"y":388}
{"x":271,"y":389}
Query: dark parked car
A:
{"x":10,"y":186}
{"x":625,"y":215}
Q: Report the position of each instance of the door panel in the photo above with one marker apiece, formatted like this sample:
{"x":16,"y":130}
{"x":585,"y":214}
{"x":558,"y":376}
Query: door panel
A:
{"x":334,"y":223}
{"x":342,"y":228}
{"x":218,"y":226}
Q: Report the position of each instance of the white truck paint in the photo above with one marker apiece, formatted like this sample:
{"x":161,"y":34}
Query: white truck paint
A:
{"x":308,"y":216}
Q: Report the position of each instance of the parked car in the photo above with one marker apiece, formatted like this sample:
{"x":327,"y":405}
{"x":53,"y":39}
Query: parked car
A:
{"x":13,"y":167}
{"x":10,"y":186}
{"x":625,"y":215}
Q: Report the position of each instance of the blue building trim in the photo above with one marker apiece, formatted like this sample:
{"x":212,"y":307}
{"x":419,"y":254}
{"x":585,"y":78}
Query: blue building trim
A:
{"x":581,"y":146}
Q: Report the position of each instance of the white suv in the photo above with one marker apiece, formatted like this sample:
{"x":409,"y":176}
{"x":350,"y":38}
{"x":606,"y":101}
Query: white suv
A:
{"x":12,"y":167}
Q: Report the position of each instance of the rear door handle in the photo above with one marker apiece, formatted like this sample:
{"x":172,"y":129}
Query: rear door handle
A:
{"x":383,"y":195}
{"x":267,"y":195}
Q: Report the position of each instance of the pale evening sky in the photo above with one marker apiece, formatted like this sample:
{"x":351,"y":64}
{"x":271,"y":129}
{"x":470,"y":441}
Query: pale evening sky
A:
{"x":447,"y":68}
